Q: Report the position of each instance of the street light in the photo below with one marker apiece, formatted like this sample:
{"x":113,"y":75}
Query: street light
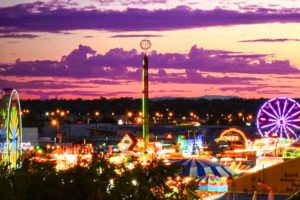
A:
{"x":55,"y":122}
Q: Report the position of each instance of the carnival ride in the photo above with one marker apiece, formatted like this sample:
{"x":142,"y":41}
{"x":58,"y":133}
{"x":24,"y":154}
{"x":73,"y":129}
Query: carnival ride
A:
{"x":11,"y":128}
{"x":279,"y":117}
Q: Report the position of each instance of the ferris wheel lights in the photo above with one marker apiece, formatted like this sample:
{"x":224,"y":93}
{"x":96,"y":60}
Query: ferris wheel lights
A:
{"x":279,"y":117}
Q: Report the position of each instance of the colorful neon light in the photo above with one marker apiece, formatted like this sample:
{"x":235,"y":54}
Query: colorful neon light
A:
{"x":234,"y":135}
{"x":11,"y":128}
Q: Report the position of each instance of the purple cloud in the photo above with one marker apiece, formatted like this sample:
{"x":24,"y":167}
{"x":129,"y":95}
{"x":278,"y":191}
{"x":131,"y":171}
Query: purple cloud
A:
{"x":134,"y":36}
{"x":56,"y":84}
{"x":43,"y":17}
{"x":131,"y":2}
{"x":94,"y":94}
{"x":16,"y":36}
{"x":241,"y":89}
{"x":260,"y":88}
{"x":38,"y":84}
{"x":88,"y":36}
{"x":118,"y":64}
{"x":192,"y":76}
{"x":272,"y":40}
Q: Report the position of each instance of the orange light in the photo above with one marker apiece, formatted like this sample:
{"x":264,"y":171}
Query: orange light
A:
{"x":169,"y":136}
{"x":139,"y":120}
{"x":54,"y":122}
{"x":97,"y":113}
{"x":62,"y":113}
{"x":129,"y":114}
{"x":57,"y":111}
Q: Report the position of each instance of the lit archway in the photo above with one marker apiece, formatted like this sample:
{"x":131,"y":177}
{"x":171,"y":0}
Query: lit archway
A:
{"x":235,"y":137}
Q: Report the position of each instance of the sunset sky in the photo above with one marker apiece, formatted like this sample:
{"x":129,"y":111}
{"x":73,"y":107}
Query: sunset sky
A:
{"x":90,"y":48}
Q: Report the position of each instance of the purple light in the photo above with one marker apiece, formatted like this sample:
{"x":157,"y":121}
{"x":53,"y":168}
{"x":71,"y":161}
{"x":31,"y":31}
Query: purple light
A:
{"x":268,"y":125}
{"x":278,"y":107}
{"x":269,"y":114}
{"x":279,"y":116}
{"x":290,"y":110}
{"x":295,"y":120}
{"x":273,"y":110}
{"x":284,"y":107}
{"x":296,"y":113}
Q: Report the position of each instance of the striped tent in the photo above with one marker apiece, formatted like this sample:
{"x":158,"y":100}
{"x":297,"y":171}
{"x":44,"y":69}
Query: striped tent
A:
{"x":212,"y":183}
{"x":196,"y":168}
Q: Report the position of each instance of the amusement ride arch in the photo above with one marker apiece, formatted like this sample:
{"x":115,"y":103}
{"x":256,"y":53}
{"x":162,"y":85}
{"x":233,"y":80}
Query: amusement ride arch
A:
{"x":235,"y":136}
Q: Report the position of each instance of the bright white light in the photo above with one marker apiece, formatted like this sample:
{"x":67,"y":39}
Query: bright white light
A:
{"x":120,"y":122}
{"x":134,"y":182}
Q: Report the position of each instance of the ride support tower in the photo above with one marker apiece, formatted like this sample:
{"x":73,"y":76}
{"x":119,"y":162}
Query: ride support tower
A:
{"x":145,"y":45}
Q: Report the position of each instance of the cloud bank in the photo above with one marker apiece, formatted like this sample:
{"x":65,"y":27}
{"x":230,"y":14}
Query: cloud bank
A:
{"x":41,"y":17}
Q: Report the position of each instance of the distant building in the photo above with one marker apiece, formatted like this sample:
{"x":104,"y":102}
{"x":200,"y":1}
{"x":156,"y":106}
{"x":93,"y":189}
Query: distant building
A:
{"x":30,"y":135}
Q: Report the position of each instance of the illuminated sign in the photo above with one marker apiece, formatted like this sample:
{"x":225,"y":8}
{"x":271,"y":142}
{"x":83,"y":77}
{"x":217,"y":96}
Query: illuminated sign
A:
{"x":125,"y":143}
{"x":24,"y":146}
{"x":231,"y":138}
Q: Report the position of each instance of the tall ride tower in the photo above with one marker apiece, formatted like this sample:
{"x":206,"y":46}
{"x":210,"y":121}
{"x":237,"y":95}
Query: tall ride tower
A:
{"x":145,"y":45}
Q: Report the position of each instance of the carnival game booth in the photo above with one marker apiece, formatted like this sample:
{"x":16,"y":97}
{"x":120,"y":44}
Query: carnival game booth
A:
{"x":190,"y":146}
{"x":270,"y":146}
{"x":234,"y":146}
{"x":292,"y":151}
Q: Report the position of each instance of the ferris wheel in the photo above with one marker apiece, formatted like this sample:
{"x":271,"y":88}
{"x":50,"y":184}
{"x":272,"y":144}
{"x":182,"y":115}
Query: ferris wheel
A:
{"x":10,"y":128}
{"x":279,"y":117}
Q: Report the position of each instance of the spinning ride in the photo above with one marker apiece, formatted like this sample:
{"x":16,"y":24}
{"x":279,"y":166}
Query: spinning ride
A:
{"x":10,"y":128}
{"x":279,"y":117}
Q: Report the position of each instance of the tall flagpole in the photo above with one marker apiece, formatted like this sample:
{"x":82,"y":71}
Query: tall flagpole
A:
{"x":145,"y":45}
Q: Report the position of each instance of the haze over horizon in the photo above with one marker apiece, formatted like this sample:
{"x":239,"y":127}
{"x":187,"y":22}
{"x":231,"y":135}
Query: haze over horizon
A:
{"x":90,"y":48}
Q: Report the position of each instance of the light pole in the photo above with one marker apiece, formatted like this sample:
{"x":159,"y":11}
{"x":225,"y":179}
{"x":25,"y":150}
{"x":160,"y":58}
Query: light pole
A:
{"x":55,"y":122}
{"x":145,"y":45}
